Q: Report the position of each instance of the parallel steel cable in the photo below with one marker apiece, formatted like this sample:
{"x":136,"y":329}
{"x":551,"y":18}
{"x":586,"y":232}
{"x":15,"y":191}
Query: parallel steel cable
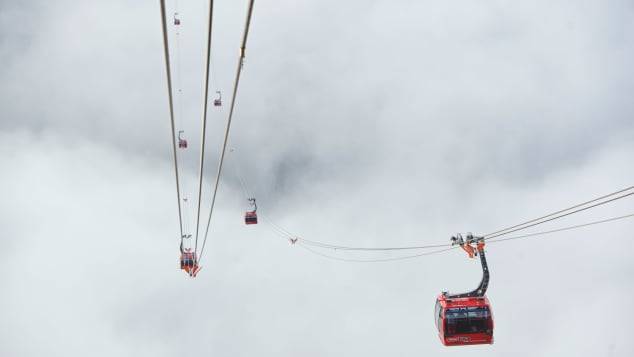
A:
{"x":179,"y":75}
{"x":559,"y":216}
{"x":512,"y":229}
{"x":228,"y":127}
{"x":490,"y":235}
{"x":369,"y":249}
{"x":561,"y":229}
{"x":284,"y":231}
{"x":507,"y":231}
{"x":204,"y":120}
{"x":312,"y":251}
{"x":171,"y":107}
{"x":281,"y":233}
{"x":290,"y":235}
{"x":179,"y":113}
{"x":243,"y":184}
{"x":347,"y":248}
{"x":560,"y":211}
{"x":491,"y":239}
{"x":286,"y":235}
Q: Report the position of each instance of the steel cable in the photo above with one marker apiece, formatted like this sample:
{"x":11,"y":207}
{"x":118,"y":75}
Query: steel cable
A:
{"x":312,"y":251}
{"x":229,"y":118}
{"x":558,"y":212}
{"x":560,"y":216}
{"x":286,"y":235}
{"x":562,"y":229}
{"x":307,"y":242}
{"x":171,"y":108}
{"x":204,"y":120}
{"x":380,"y":260}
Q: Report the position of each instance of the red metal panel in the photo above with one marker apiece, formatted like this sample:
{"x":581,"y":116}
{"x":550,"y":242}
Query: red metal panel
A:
{"x":464,"y":338}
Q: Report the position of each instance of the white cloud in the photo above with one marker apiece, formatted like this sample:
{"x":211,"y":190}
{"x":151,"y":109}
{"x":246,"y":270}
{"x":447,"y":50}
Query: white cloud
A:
{"x":357,"y":123}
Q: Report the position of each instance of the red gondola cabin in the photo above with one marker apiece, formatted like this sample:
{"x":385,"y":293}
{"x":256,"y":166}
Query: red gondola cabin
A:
{"x":251,"y":217}
{"x":182,"y":143}
{"x":189,"y":263}
{"x":464,"y":321}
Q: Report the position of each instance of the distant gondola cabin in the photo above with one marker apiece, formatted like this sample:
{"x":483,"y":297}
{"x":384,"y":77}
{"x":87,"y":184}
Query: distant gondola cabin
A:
{"x":251,"y":217}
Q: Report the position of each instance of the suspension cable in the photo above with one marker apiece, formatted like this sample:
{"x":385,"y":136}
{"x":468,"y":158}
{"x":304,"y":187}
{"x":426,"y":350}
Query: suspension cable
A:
{"x":380,"y":260}
{"x":179,"y":114}
{"x":487,"y":237}
{"x":537,"y":221}
{"x":534,"y":222}
{"x":306,"y":244}
{"x":309,"y":245}
{"x":559,"y":216}
{"x":289,"y":235}
{"x":312,"y":251}
{"x":558,"y":212}
{"x":204,"y":120}
{"x":179,"y":72}
{"x":228,"y":127}
{"x":343,"y":248}
{"x":562,"y":229}
{"x":171,"y":108}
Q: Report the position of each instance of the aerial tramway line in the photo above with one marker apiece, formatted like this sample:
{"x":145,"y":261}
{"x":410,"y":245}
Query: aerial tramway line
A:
{"x":189,"y":255}
{"x":461,"y":319}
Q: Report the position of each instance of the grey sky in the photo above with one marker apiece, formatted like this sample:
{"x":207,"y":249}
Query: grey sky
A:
{"x":357,"y":122}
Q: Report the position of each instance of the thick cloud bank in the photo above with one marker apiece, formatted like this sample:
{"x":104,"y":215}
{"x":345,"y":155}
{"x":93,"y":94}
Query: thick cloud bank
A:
{"x":358,"y":123}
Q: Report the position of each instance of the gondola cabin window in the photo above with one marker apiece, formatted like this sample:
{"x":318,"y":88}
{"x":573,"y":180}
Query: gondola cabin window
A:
{"x":463,"y":320}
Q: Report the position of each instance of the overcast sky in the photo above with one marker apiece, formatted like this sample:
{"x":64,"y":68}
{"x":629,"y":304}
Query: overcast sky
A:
{"x":373,"y":123}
